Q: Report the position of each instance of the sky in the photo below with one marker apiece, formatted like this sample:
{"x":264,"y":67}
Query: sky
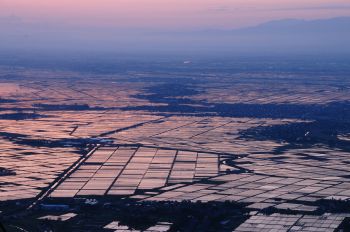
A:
{"x":169,"y":14}
{"x":174,"y":25}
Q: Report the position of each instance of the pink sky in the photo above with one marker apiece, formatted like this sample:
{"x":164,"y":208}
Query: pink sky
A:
{"x":174,"y":14}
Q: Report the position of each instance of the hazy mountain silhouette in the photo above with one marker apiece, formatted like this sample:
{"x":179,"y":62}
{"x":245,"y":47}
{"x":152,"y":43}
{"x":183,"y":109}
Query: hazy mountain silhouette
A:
{"x":322,"y":26}
{"x":282,"y":36}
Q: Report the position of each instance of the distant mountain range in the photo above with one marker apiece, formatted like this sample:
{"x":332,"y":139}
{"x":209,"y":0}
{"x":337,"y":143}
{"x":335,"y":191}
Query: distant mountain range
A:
{"x":335,"y":25}
{"x":323,"y":35}
{"x":282,"y":36}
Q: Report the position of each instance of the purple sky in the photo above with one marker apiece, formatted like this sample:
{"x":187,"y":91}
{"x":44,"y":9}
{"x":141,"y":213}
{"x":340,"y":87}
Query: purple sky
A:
{"x":170,"y":14}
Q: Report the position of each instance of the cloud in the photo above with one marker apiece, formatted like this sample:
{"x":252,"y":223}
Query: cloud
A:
{"x":11,"y":19}
{"x":230,"y":9}
{"x":321,"y":7}
{"x":220,"y":9}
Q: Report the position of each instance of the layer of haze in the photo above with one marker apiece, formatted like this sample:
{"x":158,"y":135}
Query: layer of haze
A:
{"x":174,"y":25}
{"x":163,"y":14}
